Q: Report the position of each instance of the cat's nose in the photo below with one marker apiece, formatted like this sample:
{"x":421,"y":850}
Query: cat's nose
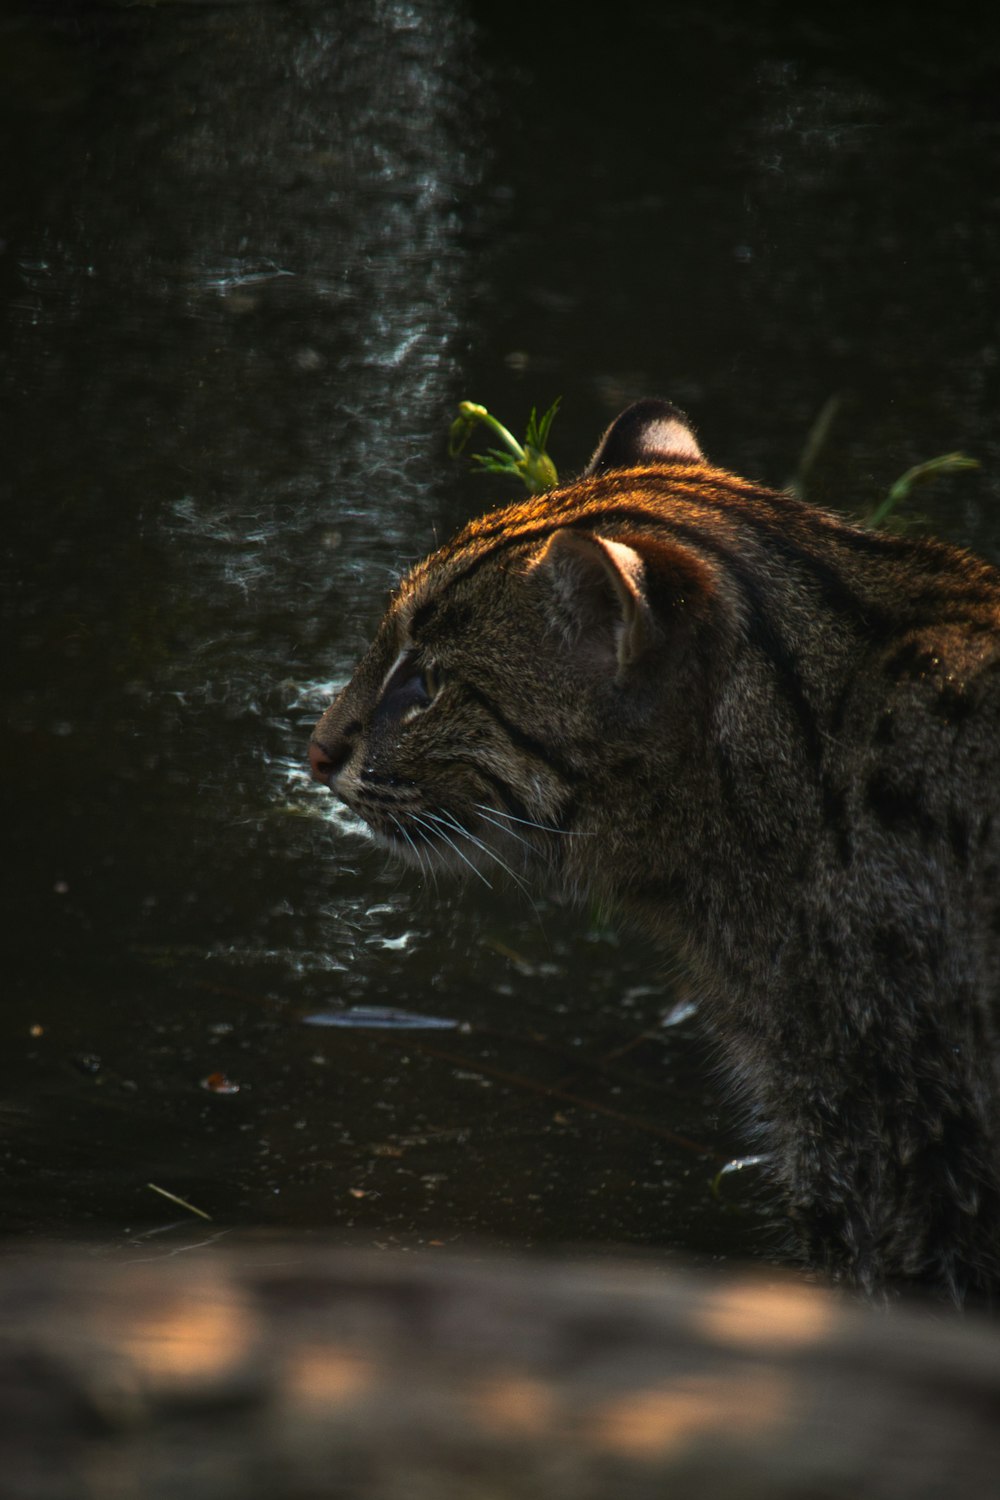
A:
{"x":326,"y":760}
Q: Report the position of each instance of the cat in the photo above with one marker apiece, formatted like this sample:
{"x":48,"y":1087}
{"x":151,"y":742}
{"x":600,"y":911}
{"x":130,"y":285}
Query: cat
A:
{"x":773,"y":739}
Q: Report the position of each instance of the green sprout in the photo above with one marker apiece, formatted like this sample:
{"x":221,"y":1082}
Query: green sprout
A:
{"x":882,"y":513}
{"x":527,"y":461}
{"x":945,"y":463}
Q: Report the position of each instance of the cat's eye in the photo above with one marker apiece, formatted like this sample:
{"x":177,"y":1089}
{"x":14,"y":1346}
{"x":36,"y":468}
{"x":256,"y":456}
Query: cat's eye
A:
{"x":412,"y":685}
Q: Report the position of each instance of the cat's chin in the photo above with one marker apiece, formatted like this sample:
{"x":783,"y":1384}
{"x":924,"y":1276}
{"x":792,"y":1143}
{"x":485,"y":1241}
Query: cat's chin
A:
{"x":444,"y":847}
{"x":401,"y":847}
{"x":414,"y":852}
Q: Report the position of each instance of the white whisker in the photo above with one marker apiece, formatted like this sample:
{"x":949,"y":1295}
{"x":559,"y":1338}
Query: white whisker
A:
{"x":508,"y":831}
{"x":567,"y":833}
{"x":485,"y":848}
{"x":439,"y":831}
{"x":417,"y":853}
{"x":428,"y":866}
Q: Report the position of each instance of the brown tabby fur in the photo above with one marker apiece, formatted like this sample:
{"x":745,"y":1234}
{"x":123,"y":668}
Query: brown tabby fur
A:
{"x":774,"y":739}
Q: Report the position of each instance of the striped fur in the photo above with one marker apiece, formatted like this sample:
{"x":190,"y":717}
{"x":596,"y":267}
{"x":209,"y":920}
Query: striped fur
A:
{"x":773,"y":739}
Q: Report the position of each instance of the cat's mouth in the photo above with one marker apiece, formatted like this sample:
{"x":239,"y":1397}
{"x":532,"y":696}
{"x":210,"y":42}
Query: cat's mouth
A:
{"x":474,"y":838}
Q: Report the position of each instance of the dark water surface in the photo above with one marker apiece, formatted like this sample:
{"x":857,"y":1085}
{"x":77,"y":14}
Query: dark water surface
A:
{"x":250,"y":258}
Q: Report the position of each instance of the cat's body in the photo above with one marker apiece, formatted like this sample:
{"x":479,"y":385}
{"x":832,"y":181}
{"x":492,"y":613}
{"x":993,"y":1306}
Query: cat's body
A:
{"x":775,"y":740}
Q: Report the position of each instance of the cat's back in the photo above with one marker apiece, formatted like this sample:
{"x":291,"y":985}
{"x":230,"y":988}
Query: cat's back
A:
{"x":881,"y":640}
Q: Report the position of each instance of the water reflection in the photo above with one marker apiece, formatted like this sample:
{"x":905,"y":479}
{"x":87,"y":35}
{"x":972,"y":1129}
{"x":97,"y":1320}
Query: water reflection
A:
{"x":254,"y":282}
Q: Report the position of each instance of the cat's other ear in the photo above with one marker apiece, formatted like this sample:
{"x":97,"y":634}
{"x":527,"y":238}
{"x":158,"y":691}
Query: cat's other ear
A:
{"x":647,"y":432}
{"x":597,"y":596}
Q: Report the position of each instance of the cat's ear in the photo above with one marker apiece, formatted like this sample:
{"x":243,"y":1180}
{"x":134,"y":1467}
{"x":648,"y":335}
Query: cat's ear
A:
{"x":597,"y":596}
{"x":647,"y":432}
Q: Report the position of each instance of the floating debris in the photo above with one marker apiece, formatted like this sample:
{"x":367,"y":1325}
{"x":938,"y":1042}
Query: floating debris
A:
{"x":379,"y":1018}
{"x":738,"y":1164}
{"x":682,"y":1011}
{"x":218,"y":1083}
{"x":181,"y":1202}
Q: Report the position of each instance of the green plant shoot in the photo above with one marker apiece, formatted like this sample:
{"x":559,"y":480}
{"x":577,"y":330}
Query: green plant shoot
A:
{"x":527,"y":461}
{"x":945,"y":463}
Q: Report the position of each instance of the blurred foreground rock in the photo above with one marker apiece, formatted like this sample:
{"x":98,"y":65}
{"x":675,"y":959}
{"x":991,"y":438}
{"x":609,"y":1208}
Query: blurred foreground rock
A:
{"x":287,"y":1372}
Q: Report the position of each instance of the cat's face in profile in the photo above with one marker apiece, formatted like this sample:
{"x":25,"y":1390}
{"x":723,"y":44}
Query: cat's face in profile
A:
{"x":519,"y":676}
{"x":420,"y":745}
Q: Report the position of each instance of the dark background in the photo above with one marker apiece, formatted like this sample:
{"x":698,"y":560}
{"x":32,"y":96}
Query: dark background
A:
{"x":251,"y":256}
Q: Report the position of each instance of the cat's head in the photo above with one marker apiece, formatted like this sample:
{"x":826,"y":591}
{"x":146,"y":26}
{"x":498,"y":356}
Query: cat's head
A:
{"x":526,"y":678}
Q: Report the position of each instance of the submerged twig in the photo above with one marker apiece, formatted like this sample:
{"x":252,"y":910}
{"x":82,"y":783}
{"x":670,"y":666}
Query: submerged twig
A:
{"x":181,"y":1202}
